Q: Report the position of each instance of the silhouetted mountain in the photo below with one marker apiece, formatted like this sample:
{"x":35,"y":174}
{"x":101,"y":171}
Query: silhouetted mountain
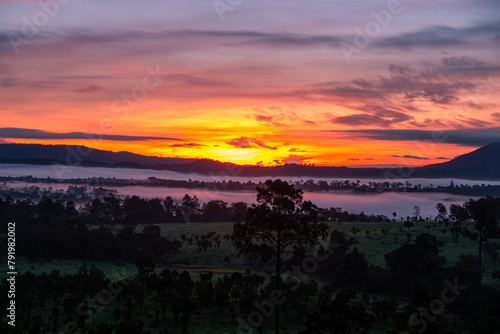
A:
{"x":483,"y":163}
{"x":70,"y":154}
{"x":485,"y":157}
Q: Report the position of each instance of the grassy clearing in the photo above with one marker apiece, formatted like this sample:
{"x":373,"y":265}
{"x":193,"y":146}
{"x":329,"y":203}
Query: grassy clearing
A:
{"x":374,"y":245}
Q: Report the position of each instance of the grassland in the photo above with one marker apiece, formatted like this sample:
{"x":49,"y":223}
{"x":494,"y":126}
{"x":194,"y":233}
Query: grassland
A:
{"x":374,"y":244}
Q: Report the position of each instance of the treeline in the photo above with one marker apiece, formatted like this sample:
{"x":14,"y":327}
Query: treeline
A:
{"x":107,"y":209}
{"x":79,"y":194}
{"x":306,"y":185}
{"x":57,"y":229}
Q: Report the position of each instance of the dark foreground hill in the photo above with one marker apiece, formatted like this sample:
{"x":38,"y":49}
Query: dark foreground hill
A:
{"x":483,"y":163}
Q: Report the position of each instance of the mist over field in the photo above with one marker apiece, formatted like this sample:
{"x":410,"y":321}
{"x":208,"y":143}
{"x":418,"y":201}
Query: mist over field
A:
{"x":371,"y":203}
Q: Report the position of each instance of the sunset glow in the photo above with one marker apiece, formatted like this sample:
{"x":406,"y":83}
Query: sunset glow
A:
{"x":274,"y":82}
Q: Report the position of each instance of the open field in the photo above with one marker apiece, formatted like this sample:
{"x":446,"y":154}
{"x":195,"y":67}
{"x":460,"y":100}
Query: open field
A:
{"x":375,"y":245}
{"x":224,"y":260}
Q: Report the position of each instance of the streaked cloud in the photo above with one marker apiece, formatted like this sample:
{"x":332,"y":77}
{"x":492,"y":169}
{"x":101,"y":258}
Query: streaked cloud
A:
{"x":246,"y":142}
{"x":21,"y":133}
{"x":468,"y":137}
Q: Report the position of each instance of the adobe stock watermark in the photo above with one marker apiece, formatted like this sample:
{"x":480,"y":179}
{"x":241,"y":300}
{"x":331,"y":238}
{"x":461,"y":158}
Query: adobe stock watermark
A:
{"x":121,"y":107}
{"x":420,"y":320}
{"x":31,"y":26}
{"x":363,"y":36}
{"x":223,"y":6}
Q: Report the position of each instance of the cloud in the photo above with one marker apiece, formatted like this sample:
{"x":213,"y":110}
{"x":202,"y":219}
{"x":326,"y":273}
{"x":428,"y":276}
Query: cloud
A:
{"x":296,"y":149}
{"x":8,"y":82}
{"x":262,"y":118}
{"x":196,"y":145}
{"x":355,"y":159}
{"x":88,"y":89}
{"x":246,"y":142}
{"x":466,"y":137}
{"x":441,"y":36}
{"x":5,"y":68}
{"x":242,"y":142}
{"x":386,"y":120}
{"x":267,"y":119}
{"x":21,"y":133}
{"x":496,"y":116}
{"x":409,"y":157}
{"x":296,"y":159}
{"x":442,"y":158}
{"x":394,"y":97}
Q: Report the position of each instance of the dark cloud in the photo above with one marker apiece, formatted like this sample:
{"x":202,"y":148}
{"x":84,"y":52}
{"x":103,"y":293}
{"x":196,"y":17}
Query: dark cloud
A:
{"x":246,"y":142}
{"x":296,"y":149}
{"x":496,"y":116}
{"x":437,"y":36}
{"x":4,"y":68}
{"x":296,"y":159}
{"x":409,"y":157}
{"x":267,"y":119}
{"x":183,"y":39}
{"x":360,"y":120}
{"x":389,"y":99}
{"x":466,"y":137}
{"x":472,"y":122}
{"x":195,"y":145}
{"x":383,"y":120}
{"x":443,"y":158}
{"x":196,"y":82}
{"x":441,"y":36}
{"x":242,"y":142}
{"x":89,"y":89}
{"x":7,"y":82}
{"x":428,"y":122}
{"x":21,"y":133}
{"x":262,"y":118}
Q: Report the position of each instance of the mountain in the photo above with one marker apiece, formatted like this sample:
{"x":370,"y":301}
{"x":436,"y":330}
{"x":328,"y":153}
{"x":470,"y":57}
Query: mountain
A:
{"x":485,"y":157}
{"x":71,"y":154}
{"x":481,"y":164}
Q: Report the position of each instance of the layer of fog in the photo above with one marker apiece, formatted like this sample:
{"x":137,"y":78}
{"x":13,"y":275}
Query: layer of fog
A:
{"x":65,"y":172}
{"x":373,"y":203}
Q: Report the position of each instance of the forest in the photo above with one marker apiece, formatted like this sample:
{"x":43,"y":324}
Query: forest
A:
{"x":282,"y":265}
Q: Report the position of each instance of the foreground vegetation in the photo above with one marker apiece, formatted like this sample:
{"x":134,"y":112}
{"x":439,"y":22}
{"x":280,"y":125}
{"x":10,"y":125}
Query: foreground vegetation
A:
{"x":127,"y":276}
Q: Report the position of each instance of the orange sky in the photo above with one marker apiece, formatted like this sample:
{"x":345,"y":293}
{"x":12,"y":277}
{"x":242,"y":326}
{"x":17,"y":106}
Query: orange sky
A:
{"x":268,"y":87}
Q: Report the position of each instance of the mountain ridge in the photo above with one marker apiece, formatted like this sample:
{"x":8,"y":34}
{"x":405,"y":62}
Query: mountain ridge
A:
{"x":483,"y":163}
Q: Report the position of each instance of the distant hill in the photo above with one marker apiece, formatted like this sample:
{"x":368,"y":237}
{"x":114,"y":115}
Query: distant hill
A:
{"x":482,"y":164}
{"x":485,"y":157}
{"x":33,"y":153}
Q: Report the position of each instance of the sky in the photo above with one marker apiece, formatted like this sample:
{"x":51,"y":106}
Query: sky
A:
{"x":254,"y":82}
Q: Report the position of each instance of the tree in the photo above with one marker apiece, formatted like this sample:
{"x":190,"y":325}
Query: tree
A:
{"x":278,"y":223}
{"x":442,"y":212}
{"x":338,"y":314}
{"x":416,"y":213}
{"x":485,"y":212}
{"x":419,"y":258}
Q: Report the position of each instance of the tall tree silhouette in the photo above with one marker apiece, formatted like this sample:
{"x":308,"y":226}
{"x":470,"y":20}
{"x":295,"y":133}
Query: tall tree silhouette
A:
{"x":486,"y":214}
{"x":278,"y":223}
